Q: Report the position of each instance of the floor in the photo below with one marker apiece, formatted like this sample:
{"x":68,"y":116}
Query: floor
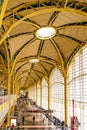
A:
{"x":27,"y":119}
{"x":31,"y":120}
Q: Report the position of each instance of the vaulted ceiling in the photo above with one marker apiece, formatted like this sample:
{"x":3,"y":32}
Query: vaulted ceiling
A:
{"x":19,"y":21}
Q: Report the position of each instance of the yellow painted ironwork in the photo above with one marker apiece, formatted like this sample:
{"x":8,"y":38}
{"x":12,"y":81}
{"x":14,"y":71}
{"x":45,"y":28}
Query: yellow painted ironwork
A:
{"x":8,"y":59}
{"x":15,"y":60}
{"x":74,"y":53}
{"x":40,"y":94}
{"x":59,"y":52}
{"x":4,"y":5}
{"x":50,"y":9}
{"x":17,"y":88}
{"x":13,"y":81}
{"x":3,"y":64}
{"x":65,"y":96}
{"x":49,"y":93}
{"x":9,"y":82}
{"x":66,"y":1}
{"x":9,"y":94}
{"x":36,"y":94}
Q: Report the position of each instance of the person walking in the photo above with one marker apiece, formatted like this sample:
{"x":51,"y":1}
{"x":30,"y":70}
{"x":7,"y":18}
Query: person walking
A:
{"x":33,"y":120}
{"x":23,"y":120}
{"x":12,"y":127}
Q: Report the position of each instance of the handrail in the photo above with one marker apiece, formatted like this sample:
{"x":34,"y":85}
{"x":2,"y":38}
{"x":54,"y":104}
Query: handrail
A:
{"x":57,"y":122}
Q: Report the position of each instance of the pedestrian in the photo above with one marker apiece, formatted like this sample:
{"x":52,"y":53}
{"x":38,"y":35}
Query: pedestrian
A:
{"x":23,"y":120}
{"x":33,"y":119}
{"x":63,"y":126}
{"x":12,"y":127}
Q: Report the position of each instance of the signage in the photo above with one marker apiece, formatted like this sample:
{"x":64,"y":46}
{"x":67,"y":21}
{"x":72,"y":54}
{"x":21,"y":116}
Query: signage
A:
{"x":13,"y":121}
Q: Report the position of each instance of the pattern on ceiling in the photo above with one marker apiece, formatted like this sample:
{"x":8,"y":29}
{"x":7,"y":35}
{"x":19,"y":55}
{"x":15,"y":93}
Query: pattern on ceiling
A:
{"x":19,"y":22}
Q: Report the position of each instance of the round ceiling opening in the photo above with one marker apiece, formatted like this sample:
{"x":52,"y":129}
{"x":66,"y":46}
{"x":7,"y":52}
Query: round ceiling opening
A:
{"x":34,"y":60}
{"x":45,"y":33}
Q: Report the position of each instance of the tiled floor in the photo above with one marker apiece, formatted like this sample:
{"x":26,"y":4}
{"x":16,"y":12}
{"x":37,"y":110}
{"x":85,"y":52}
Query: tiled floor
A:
{"x":26,"y":119}
{"x":30,"y":121}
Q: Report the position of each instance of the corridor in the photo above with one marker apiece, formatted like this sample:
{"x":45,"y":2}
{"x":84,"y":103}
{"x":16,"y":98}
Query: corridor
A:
{"x":28,"y":116}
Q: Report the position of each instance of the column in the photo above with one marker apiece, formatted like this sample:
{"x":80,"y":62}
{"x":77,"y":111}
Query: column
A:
{"x":36,"y":94}
{"x":48,"y":93}
{"x":65,"y":97}
{"x":40,"y":94}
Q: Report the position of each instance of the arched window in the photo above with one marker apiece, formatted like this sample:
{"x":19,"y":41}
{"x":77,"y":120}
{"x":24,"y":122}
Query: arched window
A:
{"x":44,"y":94}
{"x":57,"y":93}
{"x":77,"y":88}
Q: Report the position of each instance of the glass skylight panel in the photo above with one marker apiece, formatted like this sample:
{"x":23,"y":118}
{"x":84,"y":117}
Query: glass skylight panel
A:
{"x":34,"y":60}
{"x":45,"y":33}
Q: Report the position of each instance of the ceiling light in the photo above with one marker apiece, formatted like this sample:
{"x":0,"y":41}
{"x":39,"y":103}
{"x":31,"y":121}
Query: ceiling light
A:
{"x":34,"y":60}
{"x":45,"y":32}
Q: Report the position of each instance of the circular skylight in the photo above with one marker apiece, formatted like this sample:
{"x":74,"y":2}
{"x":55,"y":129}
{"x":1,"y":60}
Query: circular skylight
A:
{"x":34,"y":60}
{"x":45,"y":33}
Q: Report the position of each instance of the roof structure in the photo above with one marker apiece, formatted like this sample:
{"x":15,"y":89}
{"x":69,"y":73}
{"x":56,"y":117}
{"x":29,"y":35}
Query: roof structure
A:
{"x":19,"y":22}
